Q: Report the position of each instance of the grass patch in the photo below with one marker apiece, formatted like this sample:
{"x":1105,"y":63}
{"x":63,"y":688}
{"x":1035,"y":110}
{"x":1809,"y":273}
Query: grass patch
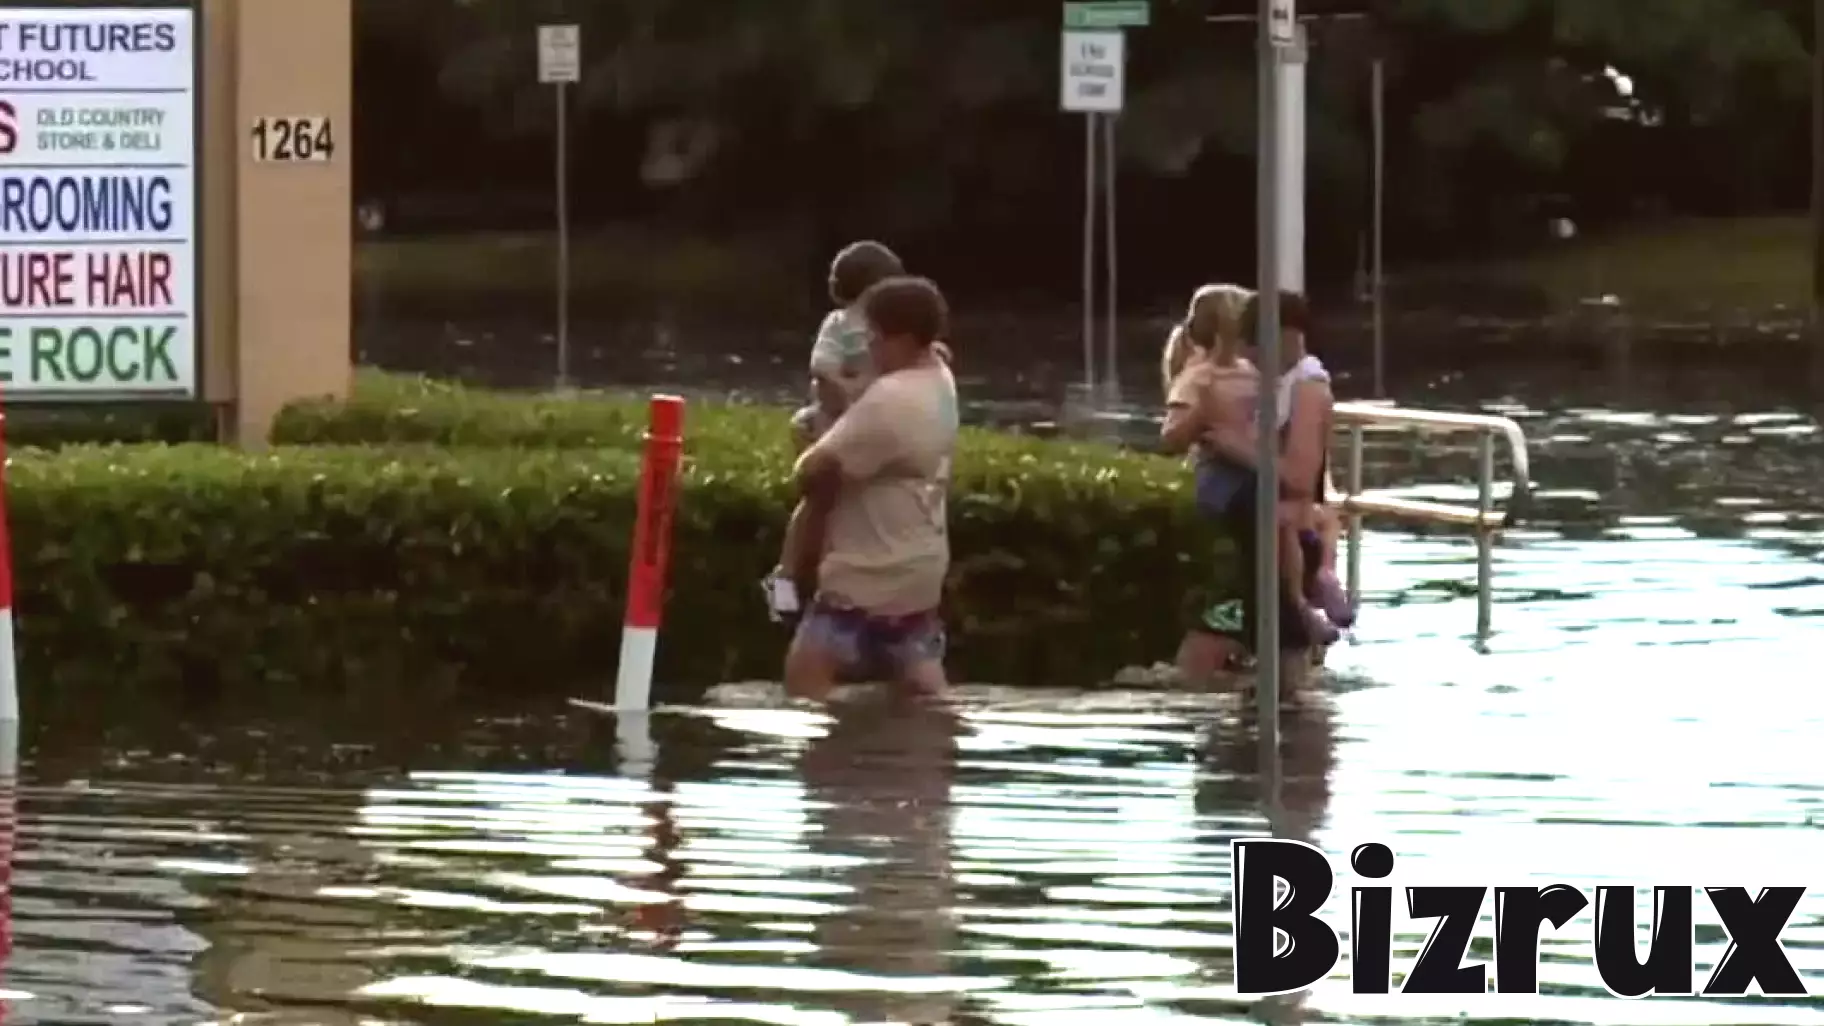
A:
{"x":1753,"y":265}
{"x":614,"y":265}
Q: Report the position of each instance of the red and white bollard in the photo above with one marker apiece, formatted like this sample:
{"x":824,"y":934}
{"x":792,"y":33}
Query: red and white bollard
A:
{"x":646,"y":570}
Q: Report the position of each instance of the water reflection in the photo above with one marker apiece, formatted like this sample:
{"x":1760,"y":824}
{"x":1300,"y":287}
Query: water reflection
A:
{"x":879,"y":786}
{"x":1053,"y":859}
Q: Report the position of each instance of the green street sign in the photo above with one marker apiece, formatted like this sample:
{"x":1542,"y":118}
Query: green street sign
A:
{"x":1108,"y":14}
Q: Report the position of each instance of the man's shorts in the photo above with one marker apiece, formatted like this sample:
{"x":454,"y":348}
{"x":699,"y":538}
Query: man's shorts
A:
{"x":1235,"y":616}
{"x":869,"y":647}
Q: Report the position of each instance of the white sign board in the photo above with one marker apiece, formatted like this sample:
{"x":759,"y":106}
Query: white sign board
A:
{"x":1282,"y":23}
{"x":560,"y":53}
{"x":98,"y":190}
{"x":1094,"y":72}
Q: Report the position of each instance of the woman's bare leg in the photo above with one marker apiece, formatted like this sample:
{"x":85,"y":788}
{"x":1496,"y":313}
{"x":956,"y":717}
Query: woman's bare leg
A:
{"x":1329,"y":593}
{"x":1292,"y":523}
{"x":1292,"y":563}
{"x":1291,"y":553}
{"x":1330,"y":531}
{"x":1202,"y":657}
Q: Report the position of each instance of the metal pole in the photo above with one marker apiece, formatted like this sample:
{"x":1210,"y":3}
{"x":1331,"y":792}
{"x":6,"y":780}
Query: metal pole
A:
{"x":1291,"y":114}
{"x":1356,"y":455}
{"x":1266,"y":520}
{"x":1378,"y":94}
{"x":563,"y":239}
{"x":1089,"y":258}
{"x":1817,"y":163}
{"x":1485,"y":555}
{"x":1113,"y":386}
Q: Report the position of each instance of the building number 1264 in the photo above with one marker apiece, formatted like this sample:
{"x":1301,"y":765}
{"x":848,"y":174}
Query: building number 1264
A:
{"x":293,"y":140}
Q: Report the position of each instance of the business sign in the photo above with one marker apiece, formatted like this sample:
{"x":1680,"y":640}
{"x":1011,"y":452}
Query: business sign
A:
{"x":1094,"y":72}
{"x":98,"y":203}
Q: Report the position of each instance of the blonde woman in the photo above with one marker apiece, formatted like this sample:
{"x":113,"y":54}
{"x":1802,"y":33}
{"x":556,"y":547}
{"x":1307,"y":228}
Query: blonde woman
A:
{"x":1211,"y":394}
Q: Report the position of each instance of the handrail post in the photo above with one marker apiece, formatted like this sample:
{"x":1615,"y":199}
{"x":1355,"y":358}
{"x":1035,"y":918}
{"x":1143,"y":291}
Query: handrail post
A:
{"x":1485,"y":555}
{"x":1353,"y":519}
{"x":1489,"y":430}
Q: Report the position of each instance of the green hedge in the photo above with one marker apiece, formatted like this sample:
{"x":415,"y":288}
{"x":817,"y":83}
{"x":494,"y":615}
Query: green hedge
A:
{"x":502,"y":567}
{"x":32,"y":425}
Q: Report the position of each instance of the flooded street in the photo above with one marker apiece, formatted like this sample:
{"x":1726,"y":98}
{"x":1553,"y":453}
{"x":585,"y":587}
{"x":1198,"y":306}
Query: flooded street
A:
{"x":1648,"y":713}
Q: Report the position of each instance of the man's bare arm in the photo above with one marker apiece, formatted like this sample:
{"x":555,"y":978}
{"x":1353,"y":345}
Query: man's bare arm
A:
{"x":1307,"y":439}
{"x":857,"y":447}
{"x":819,"y":477}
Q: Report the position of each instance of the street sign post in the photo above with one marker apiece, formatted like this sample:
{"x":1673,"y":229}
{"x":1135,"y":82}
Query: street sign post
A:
{"x":560,"y":64}
{"x":1108,"y":14}
{"x":1094,"y":72}
{"x":1093,"y":82}
{"x":560,"y":54}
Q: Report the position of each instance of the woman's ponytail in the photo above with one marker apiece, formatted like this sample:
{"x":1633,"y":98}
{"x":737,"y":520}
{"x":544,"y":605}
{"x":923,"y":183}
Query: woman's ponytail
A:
{"x":1177,"y":353}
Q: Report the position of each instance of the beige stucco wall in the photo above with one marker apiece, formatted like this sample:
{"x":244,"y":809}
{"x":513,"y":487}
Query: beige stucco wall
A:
{"x":277,"y":244}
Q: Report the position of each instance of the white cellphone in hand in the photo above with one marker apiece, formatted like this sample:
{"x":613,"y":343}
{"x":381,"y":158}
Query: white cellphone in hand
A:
{"x":781,"y":596}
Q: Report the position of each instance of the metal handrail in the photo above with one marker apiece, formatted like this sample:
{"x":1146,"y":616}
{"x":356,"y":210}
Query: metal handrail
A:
{"x":1370,"y":414}
{"x":1358,"y":417}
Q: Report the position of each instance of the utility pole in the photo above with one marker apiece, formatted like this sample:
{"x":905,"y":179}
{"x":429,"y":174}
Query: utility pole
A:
{"x":1278,"y":34}
{"x":1817,"y":167}
{"x":1289,"y":134}
{"x":1282,"y":51}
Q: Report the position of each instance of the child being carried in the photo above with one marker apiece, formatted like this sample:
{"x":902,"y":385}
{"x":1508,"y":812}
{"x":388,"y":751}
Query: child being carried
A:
{"x":841,"y":369}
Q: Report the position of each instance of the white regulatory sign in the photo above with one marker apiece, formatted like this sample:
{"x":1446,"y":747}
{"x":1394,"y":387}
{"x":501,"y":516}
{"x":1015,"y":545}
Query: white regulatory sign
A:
{"x":560,"y":53}
{"x":1094,"y":72}
{"x":1283,"y":23}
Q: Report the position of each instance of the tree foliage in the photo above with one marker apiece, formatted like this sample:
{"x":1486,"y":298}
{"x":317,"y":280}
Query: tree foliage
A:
{"x":932,"y":106}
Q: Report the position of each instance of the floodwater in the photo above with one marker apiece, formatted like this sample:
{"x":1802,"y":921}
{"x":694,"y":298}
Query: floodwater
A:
{"x":1648,"y":712}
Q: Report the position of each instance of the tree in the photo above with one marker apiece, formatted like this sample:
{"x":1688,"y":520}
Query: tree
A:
{"x":939,"y":118}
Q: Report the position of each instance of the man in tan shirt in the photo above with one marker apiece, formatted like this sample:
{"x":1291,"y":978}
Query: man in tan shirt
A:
{"x":876,"y":543}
